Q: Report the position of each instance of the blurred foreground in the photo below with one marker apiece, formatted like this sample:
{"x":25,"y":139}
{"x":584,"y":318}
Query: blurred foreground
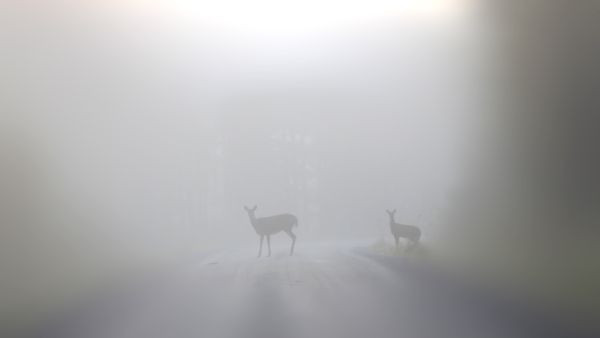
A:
{"x":325,"y":290}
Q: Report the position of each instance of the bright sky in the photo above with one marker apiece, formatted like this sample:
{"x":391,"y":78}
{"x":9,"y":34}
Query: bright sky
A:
{"x":299,"y":16}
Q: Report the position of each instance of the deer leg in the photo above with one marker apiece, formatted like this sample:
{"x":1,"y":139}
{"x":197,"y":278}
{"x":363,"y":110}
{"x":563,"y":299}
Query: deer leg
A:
{"x":396,"y":238}
{"x":260,"y":247}
{"x":269,"y":243}
{"x":289,"y":232}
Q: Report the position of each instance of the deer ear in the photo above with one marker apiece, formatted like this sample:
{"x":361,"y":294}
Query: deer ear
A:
{"x":246,"y":208}
{"x":253,"y":209}
{"x":394,"y":211}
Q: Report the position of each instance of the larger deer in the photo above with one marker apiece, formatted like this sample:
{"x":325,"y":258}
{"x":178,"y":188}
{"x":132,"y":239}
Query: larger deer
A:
{"x":410,"y":232}
{"x":267,"y":226}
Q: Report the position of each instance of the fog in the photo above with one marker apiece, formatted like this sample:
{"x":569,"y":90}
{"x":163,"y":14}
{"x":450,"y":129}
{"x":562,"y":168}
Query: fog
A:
{"x":133,"y":133}
{"x":162,"y":130}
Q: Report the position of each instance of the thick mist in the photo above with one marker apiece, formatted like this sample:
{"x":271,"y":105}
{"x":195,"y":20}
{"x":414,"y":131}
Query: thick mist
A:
{"x":133,"y":133}
{"x":163,"y":134}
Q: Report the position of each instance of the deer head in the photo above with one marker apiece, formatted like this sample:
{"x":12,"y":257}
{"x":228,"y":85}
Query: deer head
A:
{"x":251,"y":211}
{"x":391,"y":214}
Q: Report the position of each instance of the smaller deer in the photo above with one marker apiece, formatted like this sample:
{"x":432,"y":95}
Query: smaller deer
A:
{"x":267,"y":226}
{"x":410,"y":232}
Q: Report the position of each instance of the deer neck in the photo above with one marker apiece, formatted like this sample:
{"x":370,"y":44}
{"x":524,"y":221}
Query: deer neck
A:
{"x":253,"y":221}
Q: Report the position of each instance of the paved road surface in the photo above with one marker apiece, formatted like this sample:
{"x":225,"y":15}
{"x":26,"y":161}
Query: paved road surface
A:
{"x":320,"y":292}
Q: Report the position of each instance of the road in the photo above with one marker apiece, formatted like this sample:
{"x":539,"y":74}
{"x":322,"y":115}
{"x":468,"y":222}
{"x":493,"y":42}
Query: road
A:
{"x":322,"y":291}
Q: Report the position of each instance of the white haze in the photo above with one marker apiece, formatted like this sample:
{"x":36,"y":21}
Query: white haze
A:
{"x":136,"y":130}
{"x":133,"y":133}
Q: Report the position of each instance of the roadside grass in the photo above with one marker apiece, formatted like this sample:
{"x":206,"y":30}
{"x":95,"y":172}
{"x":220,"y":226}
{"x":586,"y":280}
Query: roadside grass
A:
{"x":388,"y":248}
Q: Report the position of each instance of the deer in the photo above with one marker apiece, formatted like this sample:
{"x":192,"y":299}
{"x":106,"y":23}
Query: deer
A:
{"x":410,"y":232}
{"x":267,"y":226}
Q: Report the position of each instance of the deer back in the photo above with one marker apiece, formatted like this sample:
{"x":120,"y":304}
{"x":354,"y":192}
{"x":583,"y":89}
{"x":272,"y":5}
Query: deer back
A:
{"x":273,"y":224}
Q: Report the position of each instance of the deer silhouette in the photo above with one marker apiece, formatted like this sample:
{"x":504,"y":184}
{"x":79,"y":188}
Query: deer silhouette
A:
{"x":267,"y":226}
{"x":410,"y":232}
